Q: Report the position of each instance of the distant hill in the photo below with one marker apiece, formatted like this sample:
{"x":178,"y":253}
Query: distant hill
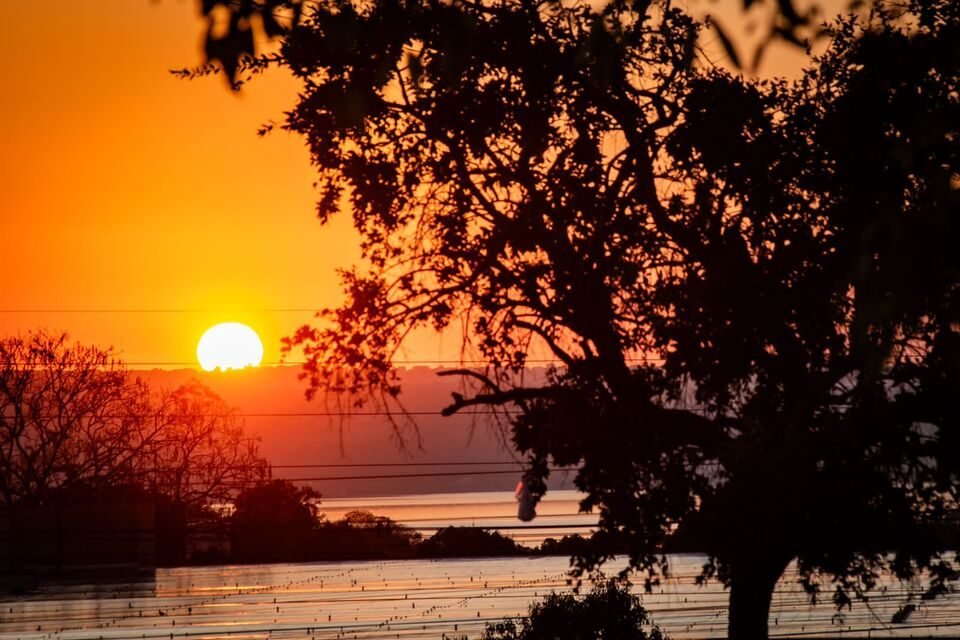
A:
{"x":311,"y":440}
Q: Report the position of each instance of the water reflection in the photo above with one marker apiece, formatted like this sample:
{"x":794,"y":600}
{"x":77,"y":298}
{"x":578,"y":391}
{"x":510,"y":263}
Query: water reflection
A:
{"x":409,"y":599}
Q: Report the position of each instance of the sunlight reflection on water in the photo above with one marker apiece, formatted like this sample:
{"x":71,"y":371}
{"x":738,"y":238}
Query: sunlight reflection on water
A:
{"x":494,"y":510}
{"x":408,"y":599}
{"x":416,"y":598}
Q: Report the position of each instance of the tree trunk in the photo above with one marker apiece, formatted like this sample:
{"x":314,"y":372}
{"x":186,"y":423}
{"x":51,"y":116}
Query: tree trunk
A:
{"x":751,"y":589}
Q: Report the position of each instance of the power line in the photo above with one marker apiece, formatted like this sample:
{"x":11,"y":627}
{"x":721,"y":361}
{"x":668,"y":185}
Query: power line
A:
{"x":480,"y":519}
{"x":320,"y":414}
{"x":348,"y":414}
{"x":394,"y":464}
{"x":394,"y":476}
{"x":457,"y":463}
{"x":396,"y":526}
{"x":196,"y":479}
{"x":157,"y":310}
{"x":247,"y":467}
{"x":279,"y":363}
{"x":303,"y":414}
{"x":432,"y":474}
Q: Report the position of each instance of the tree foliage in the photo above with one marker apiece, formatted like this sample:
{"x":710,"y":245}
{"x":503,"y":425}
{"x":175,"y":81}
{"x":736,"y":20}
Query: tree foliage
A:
{"x":608,"y":612}
{"x":202,"y":455}
{"x":362,"y":534}
{"x":234,"y":27}
{"x":274,"y":521}
{"x":73,"y":421}
{"x":469,"y":542}
{"x":750,"y":287}
{"x":68,"y":415}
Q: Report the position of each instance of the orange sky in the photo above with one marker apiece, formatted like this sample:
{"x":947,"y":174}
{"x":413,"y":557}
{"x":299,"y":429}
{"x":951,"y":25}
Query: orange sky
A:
{"x":126,"y":188}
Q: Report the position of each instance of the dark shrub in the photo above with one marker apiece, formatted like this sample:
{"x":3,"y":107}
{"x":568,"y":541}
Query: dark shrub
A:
{"x":608,"y":612}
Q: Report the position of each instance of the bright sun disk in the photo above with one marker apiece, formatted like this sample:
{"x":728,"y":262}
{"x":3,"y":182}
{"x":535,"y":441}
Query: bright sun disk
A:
{"x":229,"y":345}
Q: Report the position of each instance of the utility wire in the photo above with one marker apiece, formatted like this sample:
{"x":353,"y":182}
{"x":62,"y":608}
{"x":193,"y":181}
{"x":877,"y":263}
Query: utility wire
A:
{"x":456,"y":463}
{"x":278,"y":363}
{"x":149,"y":470}
{"x":305,"y":414}
{"x":321,"y":414}
{"x":352,"y":465}
{"x":379,"y":476}
{"x":156,"y":310}
{"x":396,"y":526}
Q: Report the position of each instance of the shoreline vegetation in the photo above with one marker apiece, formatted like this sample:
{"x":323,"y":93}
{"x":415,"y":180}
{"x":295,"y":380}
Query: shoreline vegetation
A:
{"x":120,"y":534}
{"x":278,"y":521}
{"x":358,"y":536}
{"x":362,"y":535}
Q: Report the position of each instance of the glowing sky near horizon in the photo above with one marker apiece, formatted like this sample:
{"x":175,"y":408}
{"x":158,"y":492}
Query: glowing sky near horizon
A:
{"x":151,"y":200}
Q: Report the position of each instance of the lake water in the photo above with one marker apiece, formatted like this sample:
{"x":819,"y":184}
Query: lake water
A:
{"x":420,"y":598}
{"x":557,"y":514}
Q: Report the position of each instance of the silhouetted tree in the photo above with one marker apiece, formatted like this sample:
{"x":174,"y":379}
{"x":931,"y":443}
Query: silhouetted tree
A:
{"x":73,"y":421}
{"x":608,"y":612}
{"x":275,"y":521}
{"x":202,"y":455}
{"x":69,"y":417}
{"x":360,"y":534}
{"x":199,"y":461}
{"x":752,"y":288}
{"x":816,"y":312}
{"x":569,"y":545}
{"x":469,"y":542}
{"x":234,"y":27}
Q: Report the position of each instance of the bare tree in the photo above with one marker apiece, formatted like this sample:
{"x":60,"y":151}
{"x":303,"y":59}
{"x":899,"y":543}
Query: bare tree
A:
{"x":201,"y":455}
{"x":69,"y":414}
{"x":73,"y":418}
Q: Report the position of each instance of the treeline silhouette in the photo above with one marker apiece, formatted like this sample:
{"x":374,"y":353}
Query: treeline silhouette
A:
{"x":101,"y":470}
{"x":280,"y":522}
{"x":76,"y":425}
{"x":89,"y":450}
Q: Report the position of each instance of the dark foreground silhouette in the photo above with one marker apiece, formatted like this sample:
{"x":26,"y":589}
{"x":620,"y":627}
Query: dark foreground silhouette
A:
{"x":609,"y":611}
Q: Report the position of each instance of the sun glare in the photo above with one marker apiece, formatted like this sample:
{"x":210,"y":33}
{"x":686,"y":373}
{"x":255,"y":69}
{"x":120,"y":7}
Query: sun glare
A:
{"x":229,"y":345}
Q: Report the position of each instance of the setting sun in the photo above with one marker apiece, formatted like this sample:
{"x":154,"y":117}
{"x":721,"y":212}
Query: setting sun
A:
{"x":229,"y":345}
